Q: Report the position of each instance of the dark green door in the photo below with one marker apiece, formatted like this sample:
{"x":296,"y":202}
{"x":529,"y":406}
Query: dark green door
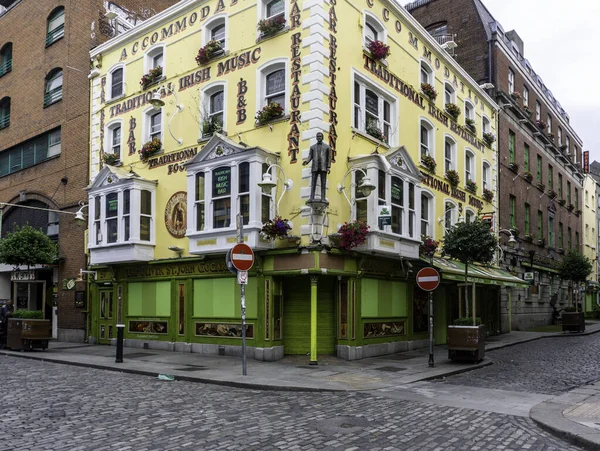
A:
{"x":296,"y":315}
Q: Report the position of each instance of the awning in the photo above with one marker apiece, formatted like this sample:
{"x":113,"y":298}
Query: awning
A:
{"x":455,"y":271}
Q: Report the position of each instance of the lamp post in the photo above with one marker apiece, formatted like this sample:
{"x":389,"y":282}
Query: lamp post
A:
{"x":268,"y":183}
{"x":158,"y":103}
{"x":365,"y":186}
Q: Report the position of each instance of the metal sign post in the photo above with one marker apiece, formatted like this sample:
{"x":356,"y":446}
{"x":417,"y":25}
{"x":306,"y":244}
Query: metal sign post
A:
{"x":428,"y":279}
{"x":240,"y":230}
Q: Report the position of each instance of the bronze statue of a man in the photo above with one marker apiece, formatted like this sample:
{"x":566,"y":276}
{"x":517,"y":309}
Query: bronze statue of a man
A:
{"x":320,"y":155}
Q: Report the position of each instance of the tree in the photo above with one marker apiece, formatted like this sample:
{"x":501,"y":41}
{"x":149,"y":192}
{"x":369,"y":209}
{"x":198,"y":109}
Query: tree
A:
{"x":27,"y":246}
{"x":470,"y":242}
{"x":575,"y":267}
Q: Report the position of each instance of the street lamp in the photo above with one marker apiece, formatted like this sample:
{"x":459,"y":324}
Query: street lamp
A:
{"x":267,"y":183}
{"x":511,"y":238}
{"x":364,"y":186}
{"x":158,"y":103}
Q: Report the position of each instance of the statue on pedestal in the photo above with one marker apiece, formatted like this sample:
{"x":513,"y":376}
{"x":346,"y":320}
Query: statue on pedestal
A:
{"x":320,"y":155}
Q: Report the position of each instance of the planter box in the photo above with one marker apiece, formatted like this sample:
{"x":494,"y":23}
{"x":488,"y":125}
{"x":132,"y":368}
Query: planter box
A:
{"x":573,"y":321}
{"x":28,"y":333}
{"x":466,"y":343}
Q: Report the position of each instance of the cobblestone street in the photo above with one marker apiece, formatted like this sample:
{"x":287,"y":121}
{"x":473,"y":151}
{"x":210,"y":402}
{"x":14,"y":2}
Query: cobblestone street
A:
{"x":48,"y":406}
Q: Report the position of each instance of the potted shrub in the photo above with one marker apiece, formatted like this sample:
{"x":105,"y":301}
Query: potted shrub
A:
{"x":28,"y":330}
{"x":541,"y":124}
{"x":210,"y":50}
{"x":375,"y":132}
{"x":465,"y":340}
{"x":151,"y":77}
{"x":470,"y":123}
{"x":488,"y":195}
{"x":528,"y":176}
{"x":352,"y":234}
{"x":378,"y":50}
{"x":150,"y":148}
{"x":471,"y":186}
{"x":110,"y":159}
{"x":452,"y":177}
{"x":489,"y":139}
{"x":429,"y":91}
{"x":268,"y":27}
{"x":429,"y":163}
{"x":575,"y":268}
{"x":528,"y":237}
{"x":275,"y":228}
{"x":516,"y":96}
{"x":572,"y":320}
{"x":453,"y":110}
{"x":269,"y":112}
{"x":211,"y":125}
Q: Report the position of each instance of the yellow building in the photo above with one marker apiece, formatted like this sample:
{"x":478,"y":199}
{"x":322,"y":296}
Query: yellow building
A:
{"x":245,"y":89}
{"x":590,"y":238}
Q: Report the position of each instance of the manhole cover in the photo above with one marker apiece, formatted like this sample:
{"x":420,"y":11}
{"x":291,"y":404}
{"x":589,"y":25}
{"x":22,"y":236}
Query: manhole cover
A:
{"x":391,"y":369}
{"x":137,"y":355}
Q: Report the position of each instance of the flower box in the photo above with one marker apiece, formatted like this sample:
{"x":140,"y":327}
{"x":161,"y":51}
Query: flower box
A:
{"x":562,"y":202}
{"x":151,"y":77}
{"x":516,"y":96}
{"x":471,"y":186}
{"x":429,"y":163}
{"x":466,"y":342}
{"x":209,"y":51}
{"x":570,"y":207}
{"x":551,"y":193}
{"x":488,"y":195}
{"x":150,"y":148}
{"x":489,"y":139}
{"x":470,"y":124}
{"x":352,"y":234}
{"x":211,"y":126}
{"x":378,"y":50}
{"x":541,"y":186}
{"x":541,"y":124}
{"x":453,"y":110}
{"x":269,"y":112}
{"x":111,"y":159}
{"x":452,"y":177}
{"x":268,"y":27}
{"x":429,"y":91}
{"x":541,"y":242}
{"x":528,"y":176}
{"x":428,"y":246}
{"x":513,"y":167}
{"x":375,"y":132}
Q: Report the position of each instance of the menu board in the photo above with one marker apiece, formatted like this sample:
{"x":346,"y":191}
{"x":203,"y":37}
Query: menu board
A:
{"x":221,"y":182}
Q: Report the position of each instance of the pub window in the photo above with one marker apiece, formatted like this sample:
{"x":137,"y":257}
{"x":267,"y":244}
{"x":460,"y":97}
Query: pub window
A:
{"x":449,"y":93}
{"x":427,"y":202}
{"x":273,"y":9}
{"x":449,"y":215}
{"x":213,"y":109}
{"x":486,"y":125}
{"x":221,"y":197}
{"x":469,"y":166}
{"x":153,"y":124}
{"x":113,"y":139}
{"x":154,"y":59}
{"x":426,"y":73}
{"x":397,"y":196}
{"x":486,"y":176}
{"x":56,"y":26}
{"x":511,"y":81}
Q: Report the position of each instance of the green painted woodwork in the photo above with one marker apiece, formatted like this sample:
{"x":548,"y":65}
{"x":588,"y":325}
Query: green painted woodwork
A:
{"x":383,"y":298}
{"x":296,"y":316}
{"x":313,"y":319}
{"x":220,"y":298}
{"x":149,"y":299}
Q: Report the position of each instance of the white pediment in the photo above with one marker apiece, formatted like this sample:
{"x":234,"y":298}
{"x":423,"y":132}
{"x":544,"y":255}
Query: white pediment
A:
{"x":220,"y":146}
{"x":111,"y":176}
{"x":400,"y":160}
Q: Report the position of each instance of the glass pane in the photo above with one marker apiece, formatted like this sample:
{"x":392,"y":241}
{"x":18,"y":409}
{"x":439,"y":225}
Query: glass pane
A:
{"x":216,"y":102}
{"x":370,"y":33}
{"x":245,"y":208}
{"x":155,"y":123}
{"x":200,"y":186}
{"x":56,"y":20}
{"x":396,"y":220}
{"x":55,"y":81}
{"x":411,"y":196}
{"x":146,"y":203}
{"x":127,"y":228}
{"x":221,"y":182}
{"x":112,"y":205}
{"x":111,"y":230}
{"x":381,"y":185}
{"x":221,"y":213}
{"x":372,"y":102}
{"x":97,"y":203}
{"x":361,"y":210}
{"x":276,"y":82}
{"x":157,"y":60}
{"x":218,"y":33}
{"x":386,"y":111}
{"x":397,"y":191}
{"x":145,"y":228}
{"x":200,"y":217}
{"x":265,"y":208}
{"x":244,"y":181}
{"x":117,"y":83}
{"x":126,"y":202}
{"x":275,"y":7}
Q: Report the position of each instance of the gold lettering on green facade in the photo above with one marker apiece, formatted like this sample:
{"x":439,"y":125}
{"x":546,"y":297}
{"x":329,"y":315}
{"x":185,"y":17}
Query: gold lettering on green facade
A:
{"x":175,"y":269}
{"x":332,"y":80}
{"x":131,"y":139}
{"x":241,"y":101}
{"x":293,"y":136}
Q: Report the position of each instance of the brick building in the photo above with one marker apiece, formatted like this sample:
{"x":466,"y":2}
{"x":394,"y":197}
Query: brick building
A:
{"x":44,"y":113}
{"x":539,"y":164}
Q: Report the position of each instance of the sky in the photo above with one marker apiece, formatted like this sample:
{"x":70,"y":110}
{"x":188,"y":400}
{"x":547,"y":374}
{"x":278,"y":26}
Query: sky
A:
{"x":562,"y":45}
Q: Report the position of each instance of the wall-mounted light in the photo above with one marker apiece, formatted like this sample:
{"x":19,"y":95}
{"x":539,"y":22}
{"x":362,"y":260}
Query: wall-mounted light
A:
{"x":177,"y":249}
{"x":267,"y":183}
{"x":364,"y":186}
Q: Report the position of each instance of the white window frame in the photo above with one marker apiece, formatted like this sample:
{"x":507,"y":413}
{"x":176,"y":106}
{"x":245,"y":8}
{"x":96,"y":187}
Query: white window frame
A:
{"x":470,"y":168}
{"x":511,"y":81}
{"x":380,"y":29}
{"x":525,"y":96}
{"x":148,"y":113}
{"x":560,"y":135}
{"x":54,"y":148}
{"x":109,"y":83}
{"x":214,"y":22}
{"x":486,"y":124}
{"x":261,"y":13}
{"x":151,"y":54}
{"x":450,"y":214}
{"x":486,"y":175}
{"x":108,"y":137}
{"x":383,"y":95}
{"x":426,"y":69}
{"x":549,"y":123}
{"x":453,"y":150}
{"x":261,"y":79}
{"x":469,"y":110}
{"x":205,"y":95}
{"x":538,"y":110}
{"x":430,"y":146}
{"x":568,"y":144}
{"x":449,"y":93}
{"x":431,"y":212}
{"x":469,"y":211}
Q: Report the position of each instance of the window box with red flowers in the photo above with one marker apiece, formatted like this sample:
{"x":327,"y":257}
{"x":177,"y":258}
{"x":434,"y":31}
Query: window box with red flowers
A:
{"x":153,"y":76}
{"x":375,"y":132}
{"x":352,"y":234}
{"x":429,"y":91}
{"x":379,"y":50}
{"x":488,"y":195}
{"x":150,"y":148}
{"x":269,"y":112}
{"x":429,"y":163}
{"x":111,"y":159}
{"x":453,"y":110}
{"x":452,"y":177}
{"x":428,"y":246}
{"x":269,"y":27}
{"x":209,"y":51}
{"x":489,"y":139}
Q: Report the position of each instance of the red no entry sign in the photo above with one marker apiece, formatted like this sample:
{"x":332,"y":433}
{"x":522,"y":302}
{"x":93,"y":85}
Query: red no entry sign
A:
{"x":428,"y":279}
{"x":242,"y":257}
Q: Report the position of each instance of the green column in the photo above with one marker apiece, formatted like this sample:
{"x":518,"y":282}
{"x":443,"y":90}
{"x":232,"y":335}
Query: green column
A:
{"x":313,"y":319}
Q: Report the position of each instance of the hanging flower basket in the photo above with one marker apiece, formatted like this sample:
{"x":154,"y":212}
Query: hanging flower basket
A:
{"x":471,"y":186}
{"x":429,"y":91}
{"x":150,"y":148}
{"x":488,"y":195}
{"x":110,"y":158}
{"x":452,"y":177}
{"x":269,"y":112}
{"x":151,"y":77}
{"x":205,"y":53}
{"x":375,"y":132}
{"x":271,"y":26}
{"x":378,"y":50}
{"x":453,"y":110}
{"x":489,"y":139}
{"x":353,"y":234}
{"x":428,"y":246}
{"x":275,"y":228}
{"x":429,"y":163}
